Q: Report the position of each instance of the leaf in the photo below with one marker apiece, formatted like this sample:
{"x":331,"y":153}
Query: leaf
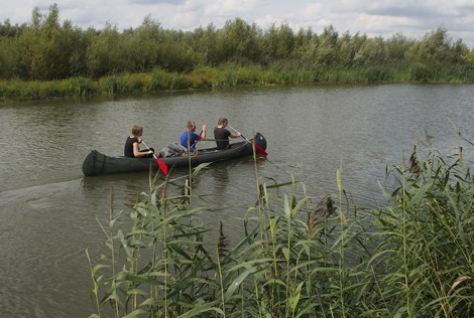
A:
{"x":202,"y":308}
{"x":296,"y":297}
{"x":136,"y":313}
{"x":339,"y":180}
{"x":458,"y":282}
{"x":286,"y":252}
{"x":287,"y":209}
{"x":420,"y":193}
{"x":237,"y":281}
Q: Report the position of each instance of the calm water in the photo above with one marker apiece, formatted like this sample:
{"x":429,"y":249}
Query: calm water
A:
{"x":48,"y":210}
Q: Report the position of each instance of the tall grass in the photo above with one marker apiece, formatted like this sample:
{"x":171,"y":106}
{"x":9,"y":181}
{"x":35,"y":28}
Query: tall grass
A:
{"x":232,"y":76}
{"x":298,"y":258}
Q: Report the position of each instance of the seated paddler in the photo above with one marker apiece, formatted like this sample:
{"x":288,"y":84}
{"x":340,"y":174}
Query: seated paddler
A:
{"x":189,"y":138}
{"x":132,"y":148}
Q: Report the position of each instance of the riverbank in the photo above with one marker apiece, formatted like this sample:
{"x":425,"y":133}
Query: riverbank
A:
{"x":231,"y":76}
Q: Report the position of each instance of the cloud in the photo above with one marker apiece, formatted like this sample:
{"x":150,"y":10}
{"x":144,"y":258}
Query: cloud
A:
{"x":404,"y":11}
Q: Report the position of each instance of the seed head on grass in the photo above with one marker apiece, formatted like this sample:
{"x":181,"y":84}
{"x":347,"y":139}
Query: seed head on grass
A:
{"x":222,"y":244}
{"x":414,"y":166}
{"x":261,"y":196}
{"x":323,"y":209}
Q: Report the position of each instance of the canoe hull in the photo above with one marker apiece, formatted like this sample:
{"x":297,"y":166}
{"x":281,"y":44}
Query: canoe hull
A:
{"x":97,"y":163}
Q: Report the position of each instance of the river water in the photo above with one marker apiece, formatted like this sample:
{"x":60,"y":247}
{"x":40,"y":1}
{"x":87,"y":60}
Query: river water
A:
{"x":49,"y":210}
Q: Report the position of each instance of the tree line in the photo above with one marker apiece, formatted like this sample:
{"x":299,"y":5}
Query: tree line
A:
{"x":45,"y":49}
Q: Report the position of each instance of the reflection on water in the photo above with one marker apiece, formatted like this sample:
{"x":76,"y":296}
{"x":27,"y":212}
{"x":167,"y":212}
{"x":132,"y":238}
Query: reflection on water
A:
{"x":221,"y":179}
{"x":49,"y":212}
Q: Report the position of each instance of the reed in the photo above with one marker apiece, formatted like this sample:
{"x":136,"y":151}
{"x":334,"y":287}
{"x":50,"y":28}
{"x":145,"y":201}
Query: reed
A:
{"x":232,"y":75}
{"x":411,"y":257}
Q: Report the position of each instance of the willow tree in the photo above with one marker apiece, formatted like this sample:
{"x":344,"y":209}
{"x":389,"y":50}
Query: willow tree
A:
{"x":350,"y":48}
{"x":327,"y":49}
{"x":397,"y":47}
{"x":278,"y":42}
{"x":104,"y":54}
{"x":239,"y":42}
{"x":204,"y":45}
{"x":47,"y":55}
{"x":142,"y":49}
{"x":437,"y":47}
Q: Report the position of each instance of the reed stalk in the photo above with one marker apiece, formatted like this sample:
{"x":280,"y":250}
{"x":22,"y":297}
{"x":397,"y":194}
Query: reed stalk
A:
{"x":203,"y":78}
{"x":410,"y":257}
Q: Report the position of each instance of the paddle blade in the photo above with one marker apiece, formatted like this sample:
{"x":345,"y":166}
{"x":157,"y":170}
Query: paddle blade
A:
{"x":260,"y":150}
{"x":163,"y":167}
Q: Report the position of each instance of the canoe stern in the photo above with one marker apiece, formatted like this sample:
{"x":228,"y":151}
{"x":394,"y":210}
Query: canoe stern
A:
{"x":93,"y":164}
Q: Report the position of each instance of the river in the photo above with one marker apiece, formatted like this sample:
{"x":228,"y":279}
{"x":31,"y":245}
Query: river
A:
{"x":49,"y":210}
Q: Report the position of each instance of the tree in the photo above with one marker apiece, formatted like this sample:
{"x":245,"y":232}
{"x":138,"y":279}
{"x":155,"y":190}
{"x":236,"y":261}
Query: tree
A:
{"x":328,"y":46}
{"x":204,"y":45}
{"x":372,"y":52}
{"x":397,"y":47}
{"x":349,"y":47}
{"x":437,"y":47}
{"x":238,"y":42}
{"x":278,"y":42}
{"x":104,"y":53}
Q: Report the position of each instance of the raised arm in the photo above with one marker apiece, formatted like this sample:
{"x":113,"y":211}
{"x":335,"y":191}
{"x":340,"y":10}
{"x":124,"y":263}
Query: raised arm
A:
{"x":203,"y":132}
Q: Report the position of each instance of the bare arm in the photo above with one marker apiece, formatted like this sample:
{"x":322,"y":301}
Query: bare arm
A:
{"x":203,"y":133}
{"x":236,"y":135}
{"x":136,"y":150}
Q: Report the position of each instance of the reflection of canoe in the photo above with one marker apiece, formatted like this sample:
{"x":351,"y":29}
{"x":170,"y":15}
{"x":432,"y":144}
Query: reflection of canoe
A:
{"x":97,"y":163}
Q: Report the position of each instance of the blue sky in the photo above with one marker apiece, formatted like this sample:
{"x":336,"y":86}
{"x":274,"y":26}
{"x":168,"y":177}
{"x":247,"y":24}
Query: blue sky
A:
{"x":375,"y":18}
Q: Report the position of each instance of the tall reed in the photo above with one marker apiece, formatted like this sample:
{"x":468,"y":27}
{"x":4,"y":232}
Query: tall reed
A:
{"x":231,"y":75}
{"x":298,"y":258}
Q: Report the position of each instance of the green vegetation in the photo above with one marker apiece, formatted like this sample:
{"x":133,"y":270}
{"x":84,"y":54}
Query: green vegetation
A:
{"x":409,"y":258}
{"x":45,"y":59}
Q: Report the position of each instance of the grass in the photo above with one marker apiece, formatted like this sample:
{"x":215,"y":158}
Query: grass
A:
{"x":409,"y":258}
{"x":159,"y":80}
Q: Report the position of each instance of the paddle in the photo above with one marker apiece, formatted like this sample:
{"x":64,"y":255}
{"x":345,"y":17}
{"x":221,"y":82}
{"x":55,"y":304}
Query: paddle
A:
{"x":159,"y":161}
{"x":257,"y":147}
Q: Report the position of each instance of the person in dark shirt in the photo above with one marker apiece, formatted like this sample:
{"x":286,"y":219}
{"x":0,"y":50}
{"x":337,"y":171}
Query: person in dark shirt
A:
{"x":189,"y":138}
{"x":132,"y":148}
{"x":221,"y":134}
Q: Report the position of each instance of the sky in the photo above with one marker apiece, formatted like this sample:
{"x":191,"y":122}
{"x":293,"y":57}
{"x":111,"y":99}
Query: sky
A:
{"x":412,"y":18}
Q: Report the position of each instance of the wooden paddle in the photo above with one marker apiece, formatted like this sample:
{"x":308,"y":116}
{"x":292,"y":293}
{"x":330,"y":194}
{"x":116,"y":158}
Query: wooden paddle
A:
{"x":162,"y":165}
{"x":257,"y":147}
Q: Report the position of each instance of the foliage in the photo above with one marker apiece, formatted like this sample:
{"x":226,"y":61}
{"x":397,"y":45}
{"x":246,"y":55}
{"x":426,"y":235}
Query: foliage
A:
{"x":151,"y":59}
{"x":47,"y":50}
{"x":409,"y":258}
{"x":437,"y":48}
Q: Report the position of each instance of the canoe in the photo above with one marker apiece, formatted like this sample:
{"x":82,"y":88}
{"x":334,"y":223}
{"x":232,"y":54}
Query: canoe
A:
{"x":97,"y":163}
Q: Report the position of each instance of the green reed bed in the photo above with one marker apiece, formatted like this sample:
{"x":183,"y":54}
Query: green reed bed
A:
{"x":425,"y":240}
{"x":232,"y":76}
{"x":298,"y":258}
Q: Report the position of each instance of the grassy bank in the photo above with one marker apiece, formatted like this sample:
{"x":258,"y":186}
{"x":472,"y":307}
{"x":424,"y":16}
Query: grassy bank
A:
{"x":409,"y":258}
{"x":231,"y":76}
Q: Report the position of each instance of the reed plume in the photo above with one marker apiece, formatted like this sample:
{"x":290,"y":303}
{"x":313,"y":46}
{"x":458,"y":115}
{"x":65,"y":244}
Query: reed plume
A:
{"x":222,"y":244}
{"x":414,"y":165}
{"x":261,"y":196}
